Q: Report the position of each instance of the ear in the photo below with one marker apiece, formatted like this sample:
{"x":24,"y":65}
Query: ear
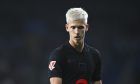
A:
{"x":87,"y":26}
{"x":66,"y":26}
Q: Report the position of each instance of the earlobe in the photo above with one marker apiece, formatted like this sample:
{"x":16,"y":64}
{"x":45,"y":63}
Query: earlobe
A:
{"x":86,"y":29}
{"x":66,"y":26}
{"x":87,"y":26}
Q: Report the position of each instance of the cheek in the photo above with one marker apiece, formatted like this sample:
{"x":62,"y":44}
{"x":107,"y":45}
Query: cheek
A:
{"x":83,"y":32}
{"x":71,"y":32}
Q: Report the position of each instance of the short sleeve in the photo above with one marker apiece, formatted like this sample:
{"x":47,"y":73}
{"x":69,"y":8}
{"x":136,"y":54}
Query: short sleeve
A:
{"x":97,"y":73}
{"x":55,"y":65}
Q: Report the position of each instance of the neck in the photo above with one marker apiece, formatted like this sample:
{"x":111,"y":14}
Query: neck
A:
{"x":78,"y":46}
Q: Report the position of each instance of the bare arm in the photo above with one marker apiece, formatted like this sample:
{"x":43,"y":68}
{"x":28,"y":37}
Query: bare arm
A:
{"x":98,"y":82}
{"x":55,"y":80}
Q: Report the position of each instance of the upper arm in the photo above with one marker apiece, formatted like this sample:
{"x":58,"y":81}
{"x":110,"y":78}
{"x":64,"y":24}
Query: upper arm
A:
{"x":55,"y":68}
{"x":55,"y":80}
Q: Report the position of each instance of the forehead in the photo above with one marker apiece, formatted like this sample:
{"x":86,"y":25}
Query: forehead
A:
{"x":77,"y":22}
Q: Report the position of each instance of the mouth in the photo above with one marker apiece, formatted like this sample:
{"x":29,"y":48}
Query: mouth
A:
{"x":77,"y":37}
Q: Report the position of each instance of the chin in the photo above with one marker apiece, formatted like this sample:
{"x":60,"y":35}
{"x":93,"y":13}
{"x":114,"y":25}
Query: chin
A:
{"x":78,"y":41}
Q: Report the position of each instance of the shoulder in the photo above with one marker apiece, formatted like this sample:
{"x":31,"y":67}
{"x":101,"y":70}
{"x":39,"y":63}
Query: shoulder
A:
{"x":92,"y":50}
{"x":58,"y":52}
{"x":94,"y":53}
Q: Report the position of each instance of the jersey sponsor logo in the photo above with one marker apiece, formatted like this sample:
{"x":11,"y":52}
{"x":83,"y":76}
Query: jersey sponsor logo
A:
{"x":81,"y":81}
{"x":51,"y":65}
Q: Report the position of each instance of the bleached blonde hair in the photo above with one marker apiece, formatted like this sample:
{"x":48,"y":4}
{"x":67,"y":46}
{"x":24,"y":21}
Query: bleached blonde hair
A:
{"x":76,"y":14}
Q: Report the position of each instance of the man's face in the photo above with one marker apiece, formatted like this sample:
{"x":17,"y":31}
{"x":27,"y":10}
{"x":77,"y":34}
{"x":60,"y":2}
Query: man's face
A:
{"x":77,"y":30}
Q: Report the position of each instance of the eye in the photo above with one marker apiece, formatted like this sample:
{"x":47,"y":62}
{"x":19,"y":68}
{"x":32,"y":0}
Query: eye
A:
{"x":81,"y":27}
{"x":73,"y":27}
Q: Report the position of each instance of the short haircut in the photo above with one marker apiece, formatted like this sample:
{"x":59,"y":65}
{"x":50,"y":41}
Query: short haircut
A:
{"x":76,"y":14}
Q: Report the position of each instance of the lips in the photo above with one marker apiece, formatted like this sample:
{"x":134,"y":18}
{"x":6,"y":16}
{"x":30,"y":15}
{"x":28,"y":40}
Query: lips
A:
{"x":77,"y":37}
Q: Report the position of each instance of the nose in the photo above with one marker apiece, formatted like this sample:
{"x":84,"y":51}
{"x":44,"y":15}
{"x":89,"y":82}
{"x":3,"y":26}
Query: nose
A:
{"x":76,"y":30}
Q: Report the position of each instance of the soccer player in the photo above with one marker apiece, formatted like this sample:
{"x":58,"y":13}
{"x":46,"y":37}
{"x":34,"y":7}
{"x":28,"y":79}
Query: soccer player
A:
{"x":75,"y":62}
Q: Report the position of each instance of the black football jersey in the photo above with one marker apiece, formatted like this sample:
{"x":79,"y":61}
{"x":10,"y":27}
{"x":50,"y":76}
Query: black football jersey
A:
{"x":72,"y":66}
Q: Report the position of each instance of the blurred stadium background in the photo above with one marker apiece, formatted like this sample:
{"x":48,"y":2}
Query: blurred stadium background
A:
{"x":31,"y":29}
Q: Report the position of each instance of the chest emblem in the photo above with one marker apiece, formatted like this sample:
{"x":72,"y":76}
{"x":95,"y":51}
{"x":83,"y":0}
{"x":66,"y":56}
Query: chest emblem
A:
{"x":81,"y":81}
